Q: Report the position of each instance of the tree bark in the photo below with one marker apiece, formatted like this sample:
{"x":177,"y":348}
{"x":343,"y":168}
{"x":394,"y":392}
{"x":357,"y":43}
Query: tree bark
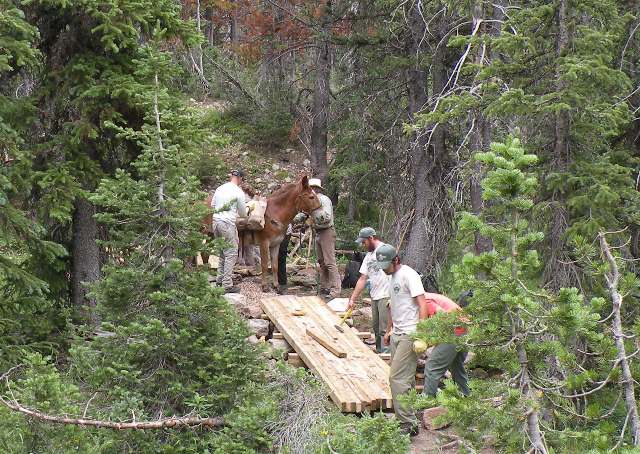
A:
{"x":559,"y":271}
{"x":431,"y":223}
{"x":481,"y":138}
{"x":627,"y":381}
{"x":320,"y":110}
{"x":533,"y":417}
{"x":168,"y":423}
{"x":233,"y":23}
{"x":86,"y":259}
{"x":517,"y":327}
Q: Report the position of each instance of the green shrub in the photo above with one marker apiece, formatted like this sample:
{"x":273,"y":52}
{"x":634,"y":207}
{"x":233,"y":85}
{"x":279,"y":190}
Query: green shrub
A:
{"x":367,"y":435}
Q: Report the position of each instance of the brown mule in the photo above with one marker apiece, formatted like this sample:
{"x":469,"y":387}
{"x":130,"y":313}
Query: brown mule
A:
{"x":282,"y":206}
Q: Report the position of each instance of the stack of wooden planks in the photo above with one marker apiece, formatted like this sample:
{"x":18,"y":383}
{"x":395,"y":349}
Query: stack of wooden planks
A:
{"x":358,"y":381}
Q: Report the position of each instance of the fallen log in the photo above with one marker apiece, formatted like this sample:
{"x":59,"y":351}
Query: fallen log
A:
{"x":167,"y":423}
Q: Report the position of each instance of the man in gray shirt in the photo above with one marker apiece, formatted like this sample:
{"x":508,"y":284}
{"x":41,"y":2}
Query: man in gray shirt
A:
{"x":407,"y":307}
{"x":322,"y":218}
{"x":228,"y":202}
{"x":379,"y":290}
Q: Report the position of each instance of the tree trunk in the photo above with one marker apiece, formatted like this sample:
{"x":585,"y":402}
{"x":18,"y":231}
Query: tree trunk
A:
{"x":559,"y":271}
{"x":320,"y":110}
{"x":351,"y":208}
{"x":209,"y":27}
{"x":517,"y":330}
{"x":533,"y":417}
{"x":233,"y":24}
{"x":481,"y":139}
{"x":86,"y":259}
{"x":431,"y":223}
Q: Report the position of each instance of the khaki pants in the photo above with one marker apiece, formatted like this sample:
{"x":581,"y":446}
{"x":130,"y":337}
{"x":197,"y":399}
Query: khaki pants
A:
{"x":229,"y":254}
{"x":402,"y":376}
{"x":379,"y":317}
{"x":443,"y":357}
{"x":326,"y":252}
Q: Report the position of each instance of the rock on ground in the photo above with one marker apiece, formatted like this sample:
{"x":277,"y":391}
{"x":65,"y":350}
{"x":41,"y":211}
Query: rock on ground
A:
{"x":303,"y":279}
{"x":366,"y":312}
{"x":280,"y":344}
{"x":258,"y":327}
{"x":244,"y":304}
{"x":429,"y":418}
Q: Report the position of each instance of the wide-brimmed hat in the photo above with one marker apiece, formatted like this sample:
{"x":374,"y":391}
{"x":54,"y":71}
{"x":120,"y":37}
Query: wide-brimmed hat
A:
{"x":315,"y":183}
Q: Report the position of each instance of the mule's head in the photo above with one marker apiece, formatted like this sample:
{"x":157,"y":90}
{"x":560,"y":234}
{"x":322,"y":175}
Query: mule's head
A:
{"x":307,"y":200}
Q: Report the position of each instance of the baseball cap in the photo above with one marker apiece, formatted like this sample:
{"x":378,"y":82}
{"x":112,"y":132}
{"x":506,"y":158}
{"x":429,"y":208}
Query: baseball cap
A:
{"x":365,"y":233}
{"x":237,"y":173}
{"x":384,"y":256}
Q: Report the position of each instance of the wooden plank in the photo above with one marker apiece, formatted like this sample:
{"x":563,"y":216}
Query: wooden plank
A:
{"x":372,"y":387}
{"x":279,"y":313}
{"x":363,"y":334}
{"x":327,"y":318}
{"x":277,"y":335}
{"x":367,"y":372}
{"x":356,"y":383}
{"x":326,"y":343}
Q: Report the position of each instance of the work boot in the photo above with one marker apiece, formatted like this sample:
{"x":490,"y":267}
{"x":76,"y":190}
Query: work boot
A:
{"x":409,"y":429}
{"x":234,"y":289}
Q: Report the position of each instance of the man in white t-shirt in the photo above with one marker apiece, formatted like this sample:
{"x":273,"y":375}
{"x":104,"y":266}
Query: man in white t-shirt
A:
{"x":407,"y":307}
{"x":379,"y":290}
{"x":228,"y":202}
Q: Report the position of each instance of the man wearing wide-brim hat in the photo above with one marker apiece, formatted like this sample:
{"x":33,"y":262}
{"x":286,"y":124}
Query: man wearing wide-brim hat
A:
{"x":322,"y":222}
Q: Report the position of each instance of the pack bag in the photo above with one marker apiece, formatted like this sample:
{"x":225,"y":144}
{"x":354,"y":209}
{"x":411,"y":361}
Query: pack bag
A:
{"x":321,"y":219}
{"x":258,"y":208}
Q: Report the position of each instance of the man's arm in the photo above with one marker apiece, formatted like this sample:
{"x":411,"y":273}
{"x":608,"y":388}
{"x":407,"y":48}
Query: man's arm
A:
{"x":423,"y":307}
{"x":387,"y":333}
{"x":362,"y":281}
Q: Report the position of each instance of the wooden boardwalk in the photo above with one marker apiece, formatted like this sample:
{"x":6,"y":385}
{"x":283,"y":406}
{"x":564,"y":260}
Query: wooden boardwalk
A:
{"x":356,"y":383}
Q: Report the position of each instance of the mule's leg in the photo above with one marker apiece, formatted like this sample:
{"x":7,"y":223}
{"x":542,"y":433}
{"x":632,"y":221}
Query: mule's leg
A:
{"x":274,"y":266}
{"x":264,"y":264}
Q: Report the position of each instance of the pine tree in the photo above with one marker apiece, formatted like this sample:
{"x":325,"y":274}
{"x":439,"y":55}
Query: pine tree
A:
{"x":169,"y":344}
{"x":27,"y":315}
{"x":87,"y":82}
{"x":516,"y":326}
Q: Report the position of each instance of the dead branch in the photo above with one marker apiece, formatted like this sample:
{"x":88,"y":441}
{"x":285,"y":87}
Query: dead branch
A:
{"x":167,"y":423}
{"x":612,"y":278}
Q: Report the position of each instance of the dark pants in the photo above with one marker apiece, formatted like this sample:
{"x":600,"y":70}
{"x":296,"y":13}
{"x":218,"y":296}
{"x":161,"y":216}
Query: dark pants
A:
{"x":282,"y":260}
{"x":443,"y":357}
